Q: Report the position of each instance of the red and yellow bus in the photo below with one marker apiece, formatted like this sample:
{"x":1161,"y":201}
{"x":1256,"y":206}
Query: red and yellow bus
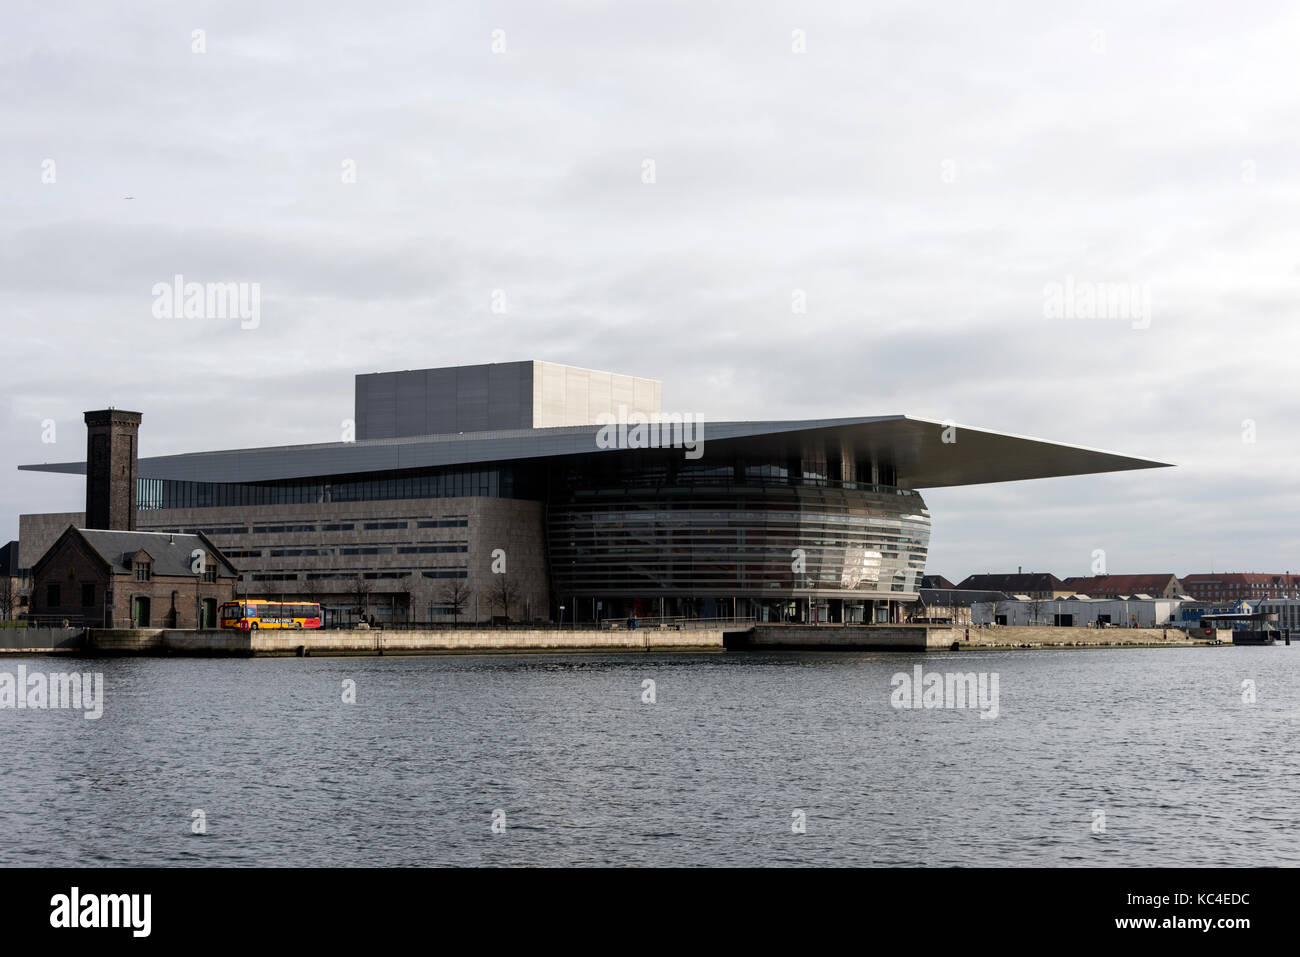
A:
{"x":255,"y":613}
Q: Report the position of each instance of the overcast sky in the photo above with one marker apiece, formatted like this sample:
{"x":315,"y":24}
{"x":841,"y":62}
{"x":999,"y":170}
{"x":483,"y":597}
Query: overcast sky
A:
{"x":919,"y":174}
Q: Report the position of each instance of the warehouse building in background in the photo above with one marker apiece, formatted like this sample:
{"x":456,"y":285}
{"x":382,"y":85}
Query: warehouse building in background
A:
{"x":531,"y":491}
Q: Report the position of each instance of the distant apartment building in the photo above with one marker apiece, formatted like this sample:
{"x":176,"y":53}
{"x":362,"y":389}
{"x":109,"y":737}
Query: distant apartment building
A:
{"x":1165,"y":585}
{"x":1241,"y":586}
{"x":1041,"y":585}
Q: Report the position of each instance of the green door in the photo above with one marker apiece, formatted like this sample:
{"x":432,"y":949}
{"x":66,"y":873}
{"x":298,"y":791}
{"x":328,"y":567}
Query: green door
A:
{"x":209,"y":613}
{"x":141,"y":612}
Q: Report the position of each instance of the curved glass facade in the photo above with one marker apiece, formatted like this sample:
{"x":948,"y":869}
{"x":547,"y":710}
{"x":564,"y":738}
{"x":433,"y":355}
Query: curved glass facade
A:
{"x":770,"y":551}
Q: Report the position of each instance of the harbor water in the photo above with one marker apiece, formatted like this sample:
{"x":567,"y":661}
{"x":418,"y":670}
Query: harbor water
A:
{"x":1093,"y":757}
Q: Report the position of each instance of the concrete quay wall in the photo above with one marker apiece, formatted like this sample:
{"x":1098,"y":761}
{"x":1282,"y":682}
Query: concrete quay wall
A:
{"x":1049,"y":636}
{"x":944,"y":638}
{"x":277,"y":643}
{"x":378,"y":642}
{"x":165,"y":641}
{"x":42,"y":641}
{"x":878,"y":637}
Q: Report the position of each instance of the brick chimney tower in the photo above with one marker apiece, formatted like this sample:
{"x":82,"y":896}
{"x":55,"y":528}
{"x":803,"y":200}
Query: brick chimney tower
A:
{"x":111,"y":467}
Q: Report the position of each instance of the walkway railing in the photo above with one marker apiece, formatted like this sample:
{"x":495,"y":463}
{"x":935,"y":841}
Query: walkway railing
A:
{"x":679,"y":623}
{"x":55,"y":621}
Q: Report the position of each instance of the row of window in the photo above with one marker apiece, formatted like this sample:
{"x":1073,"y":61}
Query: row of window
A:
{"x":352,"y":576}
{"x":667,"y":470}
{"x":442,"y":548}
{"x":324,"y":576}
{"x":291,"y":576}
{"x":459,"y":521}
{"x":505,"y":481}
{"x":426,"y":548}
{"x":1246,"y":592}
{"x":450,"y":483}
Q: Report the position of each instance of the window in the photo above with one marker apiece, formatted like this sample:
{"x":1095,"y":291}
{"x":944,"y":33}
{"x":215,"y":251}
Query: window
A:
{"x":210,"y":572}
{"x":52,"y":596}
{"x":142,"y":571}
{"x":87,"y":595}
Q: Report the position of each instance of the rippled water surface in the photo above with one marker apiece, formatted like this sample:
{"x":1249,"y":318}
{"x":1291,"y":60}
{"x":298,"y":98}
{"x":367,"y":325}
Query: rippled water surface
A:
{"x":1161,"y":741}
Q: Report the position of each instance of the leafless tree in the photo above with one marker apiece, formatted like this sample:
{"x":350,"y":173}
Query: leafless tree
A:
{"x":8,"y":597}
{"x":359,"y":592}
{"x":311,"y":588}
{"x":504,"y":594}
{"x":1035,"y":609}
{"x":456,"y":593}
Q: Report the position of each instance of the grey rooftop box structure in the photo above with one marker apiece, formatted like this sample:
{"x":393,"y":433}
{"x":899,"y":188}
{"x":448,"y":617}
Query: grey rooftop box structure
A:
{"x":493,"y":397}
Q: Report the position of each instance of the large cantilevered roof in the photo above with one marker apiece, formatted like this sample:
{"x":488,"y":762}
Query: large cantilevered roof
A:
{"x":922,"y":452}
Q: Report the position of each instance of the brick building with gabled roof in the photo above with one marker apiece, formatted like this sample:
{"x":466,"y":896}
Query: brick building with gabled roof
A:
{"x":1030,"y":584}
{"x":106,"y":578}
{"x":1164,"y":585}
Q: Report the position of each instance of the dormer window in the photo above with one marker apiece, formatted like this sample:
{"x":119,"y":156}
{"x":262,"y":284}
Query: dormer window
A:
{"x":142,"y":571}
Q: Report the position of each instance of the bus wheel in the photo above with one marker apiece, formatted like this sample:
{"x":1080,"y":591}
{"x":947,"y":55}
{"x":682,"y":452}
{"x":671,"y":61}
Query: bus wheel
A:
{"x":297,"y":625}
{"x":252,"y":625}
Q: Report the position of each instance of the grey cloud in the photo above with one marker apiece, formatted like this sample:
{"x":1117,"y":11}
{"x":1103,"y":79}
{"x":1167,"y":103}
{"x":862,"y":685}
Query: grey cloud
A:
{"x":820,"y":172}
